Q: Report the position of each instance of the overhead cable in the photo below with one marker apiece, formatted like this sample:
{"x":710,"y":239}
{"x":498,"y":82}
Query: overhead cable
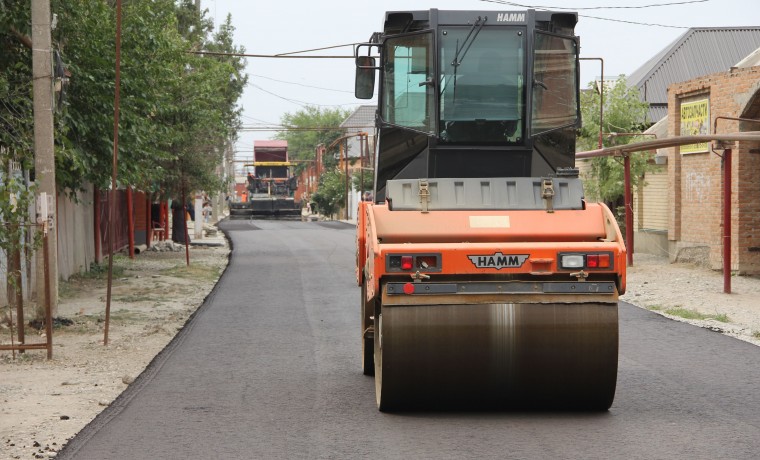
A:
{"x":502,"y":2}
{"x":617,"y":7}
{"x":302,"y":103}
{"x":301,"y":84}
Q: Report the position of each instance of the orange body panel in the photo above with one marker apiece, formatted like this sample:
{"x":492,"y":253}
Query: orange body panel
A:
{"x":512,"y":226}
{"x":537,"y":236}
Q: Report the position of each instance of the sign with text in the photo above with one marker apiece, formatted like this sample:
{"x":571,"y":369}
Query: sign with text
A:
{"x":695,"y":120}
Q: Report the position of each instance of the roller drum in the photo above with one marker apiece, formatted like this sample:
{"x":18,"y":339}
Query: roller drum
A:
{"x":497,"y":355}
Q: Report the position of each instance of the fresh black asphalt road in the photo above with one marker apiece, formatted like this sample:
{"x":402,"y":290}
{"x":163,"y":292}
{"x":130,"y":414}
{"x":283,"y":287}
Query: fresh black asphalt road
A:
{"x":269,"y":368}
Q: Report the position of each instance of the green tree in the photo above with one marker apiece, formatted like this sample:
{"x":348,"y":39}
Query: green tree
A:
{"x":331,"y":193}
{"x":369,"y":180}
{"x":16,"y":123}
{"x":205,"y":113}
{"x":310,"y":127}
{"x":178,"y":109}
{"x":16,"y":136}
{"x":623,"y":113}
{"x":85,"y":137}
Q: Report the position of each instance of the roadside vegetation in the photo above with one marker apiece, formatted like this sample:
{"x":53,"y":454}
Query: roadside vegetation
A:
{"x":179,"y":109}
{"x":624,"y":117}
{"x":687,"y":313}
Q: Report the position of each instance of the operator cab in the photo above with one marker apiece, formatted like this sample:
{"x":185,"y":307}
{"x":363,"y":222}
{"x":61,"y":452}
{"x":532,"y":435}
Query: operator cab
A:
{"x":472,"y":94}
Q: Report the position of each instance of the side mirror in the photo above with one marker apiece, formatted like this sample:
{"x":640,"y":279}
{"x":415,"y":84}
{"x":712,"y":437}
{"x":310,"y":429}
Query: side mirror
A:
{"x":364,"y":87}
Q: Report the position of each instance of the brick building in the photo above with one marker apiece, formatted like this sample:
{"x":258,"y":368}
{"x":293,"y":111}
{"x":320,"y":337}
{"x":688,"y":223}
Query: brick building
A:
{"x":695,"y":178}
{"x":701,"y":76}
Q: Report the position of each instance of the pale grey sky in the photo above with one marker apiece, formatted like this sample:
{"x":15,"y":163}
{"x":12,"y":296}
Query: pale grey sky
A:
{"x":269,"y":27}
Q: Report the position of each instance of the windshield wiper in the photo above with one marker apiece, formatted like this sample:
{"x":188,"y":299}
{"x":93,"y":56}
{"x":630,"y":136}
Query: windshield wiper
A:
{"x":477,"y":26}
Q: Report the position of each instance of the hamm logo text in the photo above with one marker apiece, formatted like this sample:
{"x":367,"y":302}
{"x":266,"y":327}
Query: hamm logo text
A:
{"x":499,"y":260}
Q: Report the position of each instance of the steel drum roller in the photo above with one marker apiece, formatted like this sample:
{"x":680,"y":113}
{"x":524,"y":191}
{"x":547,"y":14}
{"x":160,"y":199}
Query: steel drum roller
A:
{"x":496,"y":355}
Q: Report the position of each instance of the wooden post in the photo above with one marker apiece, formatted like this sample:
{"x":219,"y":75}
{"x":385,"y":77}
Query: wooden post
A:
{"x":48,"y":303}
{"x":16,"y":291}
{"x":114,"y":173}
{"x":44,"y":154}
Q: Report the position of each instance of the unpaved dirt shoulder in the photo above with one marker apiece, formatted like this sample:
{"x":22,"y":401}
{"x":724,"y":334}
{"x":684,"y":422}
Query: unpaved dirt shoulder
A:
{"x":45,"y":403}
{"x":657,"y":285}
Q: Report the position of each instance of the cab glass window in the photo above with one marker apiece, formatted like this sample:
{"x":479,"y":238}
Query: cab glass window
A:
{"x":407,"y":82}
{"x":482,"y":96}
{"x":555,"y":83}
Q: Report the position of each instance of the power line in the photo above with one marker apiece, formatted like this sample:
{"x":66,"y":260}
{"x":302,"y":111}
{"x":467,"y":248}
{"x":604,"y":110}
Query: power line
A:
{"x":302,"y":103}
{"x":280,"y":56}
{"x":654,"y":5}
{"x":298,"y":128}
{"x":302,"y":84}
{"x":502,"y":2}
{"x":316,"y":49}
{"x":258,"y":120}
{"x":634,"y":22}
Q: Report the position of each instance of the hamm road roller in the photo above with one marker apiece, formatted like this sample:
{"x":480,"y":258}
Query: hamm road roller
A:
{"x":487,"y":280}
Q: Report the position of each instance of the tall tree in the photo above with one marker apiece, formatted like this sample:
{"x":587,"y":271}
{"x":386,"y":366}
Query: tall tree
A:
{"x":178,"y":109}
{"x":206,"y":113}
{"x":16,"y":123}
{"x":623,"y":113}
{"x":310,"y":127}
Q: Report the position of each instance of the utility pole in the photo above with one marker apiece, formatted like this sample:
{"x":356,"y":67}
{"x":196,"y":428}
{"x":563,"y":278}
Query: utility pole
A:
{"x":44,"y":157}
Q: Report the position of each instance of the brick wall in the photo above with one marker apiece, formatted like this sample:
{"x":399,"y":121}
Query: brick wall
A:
{"x":696,"y":180}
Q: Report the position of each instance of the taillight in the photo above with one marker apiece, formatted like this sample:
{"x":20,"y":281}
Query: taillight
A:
{"x":598,"y":261}
{"x":413,"y":262}
{"x":406,"y":262}
{"x":594,"y":260}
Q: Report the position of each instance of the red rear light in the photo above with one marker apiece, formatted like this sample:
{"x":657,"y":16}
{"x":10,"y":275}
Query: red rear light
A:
{"x":580,"y":260}
{"x":413,"y":262}
{"x":604,"y":261}
{"x":598,"y":261}
{"x":406,"y":262}
{"x":592,"y":260}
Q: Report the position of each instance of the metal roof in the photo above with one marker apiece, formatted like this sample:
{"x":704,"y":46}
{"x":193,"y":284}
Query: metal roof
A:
{"x":270,"y":144}
{"x":698,"y":52}
{"x":362,"y":119}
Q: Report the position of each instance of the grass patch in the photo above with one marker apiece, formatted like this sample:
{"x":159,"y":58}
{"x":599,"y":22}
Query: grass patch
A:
{"x":127,"y":315}
{"x":655,"y":307}
{"x":88,"y":324}
{"x":66,"y":289}
{"x":100,"y":271}
{"x":196,"y":272}
{"x":756,"y":334}
{"x":139,"y":297}
{"x":693,"y":314}
{"x":722,"y":317}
